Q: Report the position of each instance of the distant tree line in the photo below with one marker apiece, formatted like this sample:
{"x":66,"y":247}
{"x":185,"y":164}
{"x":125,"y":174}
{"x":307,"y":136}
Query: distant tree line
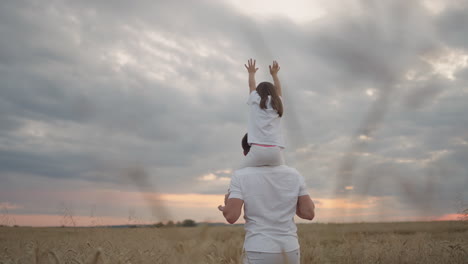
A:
{"x":185,"y":223}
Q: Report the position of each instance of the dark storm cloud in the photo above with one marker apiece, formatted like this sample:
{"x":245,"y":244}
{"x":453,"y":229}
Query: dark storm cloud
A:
{"x":422,"y":93}
{"x":55,"y":166}
{"x":53,"y":73}
{"x":452,"y":24}
{"x":369,"y":53}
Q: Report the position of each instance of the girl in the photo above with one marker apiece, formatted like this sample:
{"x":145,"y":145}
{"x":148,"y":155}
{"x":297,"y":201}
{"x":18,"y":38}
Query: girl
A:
{"x":264,"y":126}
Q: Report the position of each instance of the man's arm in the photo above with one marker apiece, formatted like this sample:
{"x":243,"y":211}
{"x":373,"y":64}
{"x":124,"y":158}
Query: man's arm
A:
{"x":251,"y":70}
{"x":232,"y":209}
{"x":274,"y":73}
{"x":305,"y":208}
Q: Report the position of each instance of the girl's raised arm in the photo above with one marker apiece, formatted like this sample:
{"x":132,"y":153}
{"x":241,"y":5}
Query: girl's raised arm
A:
{"x":251,"y":70}
{"x":274,"y":73}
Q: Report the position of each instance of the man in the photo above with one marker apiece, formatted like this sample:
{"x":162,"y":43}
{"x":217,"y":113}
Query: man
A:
{"x":271,"y":196}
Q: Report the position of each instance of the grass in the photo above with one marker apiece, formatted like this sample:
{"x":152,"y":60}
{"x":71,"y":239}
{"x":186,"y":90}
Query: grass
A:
{"x":418,"y":242}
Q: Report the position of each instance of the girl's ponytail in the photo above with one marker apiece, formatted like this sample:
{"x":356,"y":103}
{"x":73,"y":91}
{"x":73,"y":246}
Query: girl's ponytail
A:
{"x":264,"y":89}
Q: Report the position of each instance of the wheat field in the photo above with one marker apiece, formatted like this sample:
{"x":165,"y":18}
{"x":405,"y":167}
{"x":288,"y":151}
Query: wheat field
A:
{"x":413,"y":242}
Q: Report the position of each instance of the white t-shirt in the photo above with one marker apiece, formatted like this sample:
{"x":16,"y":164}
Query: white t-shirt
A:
{"x":264,"y":126}
{"x":270,"y":196}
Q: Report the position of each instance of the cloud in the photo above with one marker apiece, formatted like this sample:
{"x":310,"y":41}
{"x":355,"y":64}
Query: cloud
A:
{"x":90,"y":89}
{"x":450,"y":24}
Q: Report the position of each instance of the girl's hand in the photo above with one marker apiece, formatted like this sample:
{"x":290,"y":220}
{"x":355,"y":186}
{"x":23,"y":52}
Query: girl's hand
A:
{"x":251,"y":66}
{"x":275,"y":68}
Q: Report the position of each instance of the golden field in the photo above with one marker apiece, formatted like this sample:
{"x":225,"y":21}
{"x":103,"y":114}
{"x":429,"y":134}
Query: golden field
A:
{"x":413,"y":242}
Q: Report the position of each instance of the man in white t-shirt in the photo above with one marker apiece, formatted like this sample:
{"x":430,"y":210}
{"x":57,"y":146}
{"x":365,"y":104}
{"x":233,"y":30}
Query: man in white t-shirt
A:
{"x":271,"y":196}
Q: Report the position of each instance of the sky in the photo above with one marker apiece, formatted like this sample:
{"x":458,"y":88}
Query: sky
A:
{"x":123,"y":112}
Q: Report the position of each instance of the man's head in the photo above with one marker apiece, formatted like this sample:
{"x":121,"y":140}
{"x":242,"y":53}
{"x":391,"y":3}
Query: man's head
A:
{"x":245,"y":145}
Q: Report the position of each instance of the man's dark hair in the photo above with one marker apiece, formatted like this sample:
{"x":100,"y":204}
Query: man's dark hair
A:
{"x":245,"y":144}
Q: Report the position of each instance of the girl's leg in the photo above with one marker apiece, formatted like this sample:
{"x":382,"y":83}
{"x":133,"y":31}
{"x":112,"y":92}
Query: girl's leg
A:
{"x":276,"y":156}
{"x":252,"y":158}
{"x":263,"y":156}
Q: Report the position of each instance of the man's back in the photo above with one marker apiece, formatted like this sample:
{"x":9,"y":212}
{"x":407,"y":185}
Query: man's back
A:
{"x":270,"y":196}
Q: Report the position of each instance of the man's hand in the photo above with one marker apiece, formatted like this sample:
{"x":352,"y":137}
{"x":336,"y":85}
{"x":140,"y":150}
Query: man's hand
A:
{"x":251,"y":66}
{"x":275,"y":68}
{"x":226,"y":197}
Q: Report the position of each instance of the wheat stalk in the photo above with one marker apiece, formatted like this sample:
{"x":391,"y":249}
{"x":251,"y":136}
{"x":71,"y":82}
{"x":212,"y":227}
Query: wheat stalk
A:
{"x":36,"y":254}
{"x":57,"y":261}
{"x":96,"y":257}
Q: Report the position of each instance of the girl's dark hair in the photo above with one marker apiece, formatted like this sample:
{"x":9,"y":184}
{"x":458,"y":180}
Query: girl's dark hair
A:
{"x":245,"y":145}
{"x":264,"y":89}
